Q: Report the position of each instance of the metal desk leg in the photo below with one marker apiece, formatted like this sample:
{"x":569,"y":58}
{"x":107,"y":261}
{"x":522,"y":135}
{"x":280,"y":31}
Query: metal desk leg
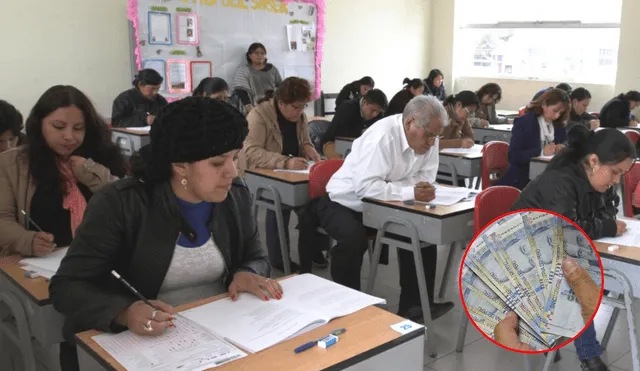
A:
{"x":414,"y":247}
{"x":612,"y":320}
{"x":19,"y":335}
{"x":626,"y":303}
{"x":527,"y":362}
{"x":447,"y":268}
{"x":551,"y":356}
{"x":275,"y":206}
{"x":462,"y":331}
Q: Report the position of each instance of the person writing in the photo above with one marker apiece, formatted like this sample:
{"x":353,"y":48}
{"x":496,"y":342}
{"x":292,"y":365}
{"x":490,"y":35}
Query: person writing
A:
{"x":279,"y":139}
{"x":616,"y":113}
{"x":412,"y":88}
{"x":355,"y":90}
{"x":539,"y":132}
{"x":460,"y":107}
{"x":580,"y":100}
{"x":181,"y":229}
{"x":434,"y":84}
{"x":395,"y":160}
{"x":10,"y":126}
{"x":489,"y":95}
{"x":579,"y":184}
{"x":69,"y":156}
{"x":139,"y":106}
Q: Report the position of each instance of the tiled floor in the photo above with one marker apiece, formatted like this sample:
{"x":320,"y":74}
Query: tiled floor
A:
{"x":479,"y":354}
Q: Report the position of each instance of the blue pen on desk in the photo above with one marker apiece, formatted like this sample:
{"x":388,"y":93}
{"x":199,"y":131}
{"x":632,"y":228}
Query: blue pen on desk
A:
{"x":311,"y":344}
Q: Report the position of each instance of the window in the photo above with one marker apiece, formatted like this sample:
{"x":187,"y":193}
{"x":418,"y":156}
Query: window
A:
{"x":557,"y":40}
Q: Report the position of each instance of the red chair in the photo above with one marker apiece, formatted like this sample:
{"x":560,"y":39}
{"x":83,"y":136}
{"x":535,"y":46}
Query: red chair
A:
{"x":633,"y":136}
{"x":494,"y":162}
{"x":320,"y":174}
{"x":492,"y":203}
{"x":631,"y":180}
{"x":522,"y":110}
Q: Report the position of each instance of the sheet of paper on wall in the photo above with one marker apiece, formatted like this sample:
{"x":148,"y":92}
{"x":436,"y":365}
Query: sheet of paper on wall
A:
{"x":199,"y":71}
{"x":301,"y":38}
{"x":187,"y":346}
{"x":303,"y":72}
{"x":178,"y":76}
{"x":187,"y":28}
{"x":159,"y":28}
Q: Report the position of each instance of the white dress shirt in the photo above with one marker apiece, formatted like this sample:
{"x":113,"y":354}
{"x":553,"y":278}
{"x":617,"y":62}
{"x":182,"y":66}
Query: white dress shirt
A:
{"x":381,"y":165}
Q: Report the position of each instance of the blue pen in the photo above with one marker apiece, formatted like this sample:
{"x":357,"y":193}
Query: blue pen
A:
{"x":311,"y":344}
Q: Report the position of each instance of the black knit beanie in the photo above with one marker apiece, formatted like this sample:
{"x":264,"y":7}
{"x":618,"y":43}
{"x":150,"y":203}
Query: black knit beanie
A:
{"x":189,"y":130}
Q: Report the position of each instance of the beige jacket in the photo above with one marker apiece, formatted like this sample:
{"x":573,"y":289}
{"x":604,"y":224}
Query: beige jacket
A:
{"x":263,"y":146}
{"x":455,"y":132}
{"x":17,"y":190}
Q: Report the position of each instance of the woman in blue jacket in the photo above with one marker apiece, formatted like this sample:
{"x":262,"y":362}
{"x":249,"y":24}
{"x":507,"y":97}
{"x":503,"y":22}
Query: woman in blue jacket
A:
{"x":539,"y":132}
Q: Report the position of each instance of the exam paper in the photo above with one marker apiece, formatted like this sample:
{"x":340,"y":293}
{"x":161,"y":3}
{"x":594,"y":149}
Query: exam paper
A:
{"x":187,"y":346}
{"x":447,"y":196}
{"x":45,"y":265}
{"x":477,"y":148}
{"x":306,"y":171}
{"x":143,"y":129}
{"x":630,"y":238}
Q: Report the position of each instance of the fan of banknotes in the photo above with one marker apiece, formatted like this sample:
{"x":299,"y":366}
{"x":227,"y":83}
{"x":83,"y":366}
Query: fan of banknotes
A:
{"x":515,"y":265}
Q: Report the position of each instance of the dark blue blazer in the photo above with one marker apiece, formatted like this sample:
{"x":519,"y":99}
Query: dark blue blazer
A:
{"x":525,"y":145}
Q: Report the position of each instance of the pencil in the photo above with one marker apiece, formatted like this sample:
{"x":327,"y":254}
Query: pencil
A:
{"x":35,"y":225}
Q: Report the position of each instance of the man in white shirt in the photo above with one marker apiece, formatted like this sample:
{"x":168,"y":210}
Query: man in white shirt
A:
{"x":394,"y":160}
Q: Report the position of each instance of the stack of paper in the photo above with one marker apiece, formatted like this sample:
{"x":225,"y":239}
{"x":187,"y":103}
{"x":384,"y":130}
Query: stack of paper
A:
{"x":142,"y":130}
{"x":515,"y":265}
{"x":630,"y":238}
{"x":447,"y":196}
{"x":308,"y":301}
{"x":187,"y":346}
{"x":476,"y":149}
{"x":305,"y":171}
{"x":47,"y":265}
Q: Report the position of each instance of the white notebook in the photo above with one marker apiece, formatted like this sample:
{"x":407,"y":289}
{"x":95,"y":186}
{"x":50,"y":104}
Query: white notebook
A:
{"x":308,"y":301}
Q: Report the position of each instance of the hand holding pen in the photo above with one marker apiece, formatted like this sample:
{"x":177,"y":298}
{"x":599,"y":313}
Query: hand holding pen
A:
{"x":424,"y":192}
{"x":145,"y":317}
{"x":42,"y":243}
{"x":296,"y":163}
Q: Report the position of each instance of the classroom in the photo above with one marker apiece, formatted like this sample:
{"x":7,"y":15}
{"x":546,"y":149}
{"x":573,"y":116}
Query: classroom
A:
{"x":304,"y":184}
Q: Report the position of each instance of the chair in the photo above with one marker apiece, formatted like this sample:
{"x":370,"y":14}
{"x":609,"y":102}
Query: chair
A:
{"x":522,"y":110}
{"x":489,"y":205}
{"x":631,"y":180}
{"x":494,"y":162}
{"x":633,"y":136}
{"x":325,"y":105}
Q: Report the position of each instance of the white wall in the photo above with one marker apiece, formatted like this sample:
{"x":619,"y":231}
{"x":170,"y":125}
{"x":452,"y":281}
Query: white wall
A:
{"x":517,"y":93}
{"x":73,"y":42}
{"x":384,"y":39}
{"x":86,"y":44}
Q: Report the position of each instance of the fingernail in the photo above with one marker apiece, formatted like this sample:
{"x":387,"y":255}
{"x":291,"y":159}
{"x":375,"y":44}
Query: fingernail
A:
{"x":172,"y":324}
{"x":279,"y":296}
{"x":233,"y":297}
{"x":569,"y":265}
{"x":170,"y":318}
{"x":266,"y":298}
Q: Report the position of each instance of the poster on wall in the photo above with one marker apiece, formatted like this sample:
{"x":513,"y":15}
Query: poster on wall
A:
{"x":159,"y":28}
{"x":301,"y":38}
{"x":178,"y":80}
{"x":200,"y":70}
{"x":187,"y":28}
{"x":160,"y":66}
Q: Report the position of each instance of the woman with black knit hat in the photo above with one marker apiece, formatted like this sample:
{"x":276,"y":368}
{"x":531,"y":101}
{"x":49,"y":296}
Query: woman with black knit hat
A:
{"x":178,"y":231}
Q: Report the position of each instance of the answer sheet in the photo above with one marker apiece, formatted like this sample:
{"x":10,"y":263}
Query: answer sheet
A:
{"x":447,"y":196}
{"x":46,"y":265}
{"x":476,"y":149}
{"x":187,"y":346}
{"x":630,"y":238}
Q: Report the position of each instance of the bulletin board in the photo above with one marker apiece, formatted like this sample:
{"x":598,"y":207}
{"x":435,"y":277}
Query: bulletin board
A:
{"x":188,"y":40}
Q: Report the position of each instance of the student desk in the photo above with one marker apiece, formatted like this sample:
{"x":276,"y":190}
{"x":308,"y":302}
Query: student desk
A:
{"x":507,"y":113}
{"x":368,"y":345}
{"x":444,"y":225}
{"x":465,"y":165}
{"x":343,"y":145}
{"x":28,"y":302}
{"x":493,"y":132}
{"x":274,"y":190}
{"x":622,"y":274}
{"x":537,"y":166}
{"x":129,"y":141}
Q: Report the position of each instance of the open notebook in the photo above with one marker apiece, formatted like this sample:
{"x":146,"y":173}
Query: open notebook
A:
{"x":447,"y":196}
{"x":307,"y":302}
{"x":46,"y":265}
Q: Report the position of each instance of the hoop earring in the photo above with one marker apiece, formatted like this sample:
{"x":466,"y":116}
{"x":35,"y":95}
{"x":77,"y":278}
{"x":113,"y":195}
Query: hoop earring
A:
{"x":184,"y":183}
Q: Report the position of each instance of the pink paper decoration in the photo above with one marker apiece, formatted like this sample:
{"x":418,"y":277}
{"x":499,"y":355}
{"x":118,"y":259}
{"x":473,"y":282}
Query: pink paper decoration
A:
{"x":321,"y":27}
{"x":132,"y":14}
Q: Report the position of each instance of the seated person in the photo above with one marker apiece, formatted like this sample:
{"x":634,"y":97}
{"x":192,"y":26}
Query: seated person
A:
{"x":580,"y":99}
{"x":212,"y":87}
{"x":137,"y":107}
{"x":395,"y":160}
{"x":355,"y":90}
{"x":10,"y":126}
{"x":434,"y":85}
{"x":489,"y":95}
{"x":562,"y":86}
{"x":460,"y":107}
{"x":616,"y":113}
{"x":412,"y":88}
{"x":352,"y":118}
{"x":180,"y":230}
{"x":279,"y":139}
{"x":539,"y":132}
{"x":69,"y":156}
{"x":636,"y":200}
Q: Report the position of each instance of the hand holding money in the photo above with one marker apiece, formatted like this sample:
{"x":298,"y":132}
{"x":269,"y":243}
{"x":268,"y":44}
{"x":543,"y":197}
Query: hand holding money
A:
{"x":586,"y":290}
{"x":506,"y":333}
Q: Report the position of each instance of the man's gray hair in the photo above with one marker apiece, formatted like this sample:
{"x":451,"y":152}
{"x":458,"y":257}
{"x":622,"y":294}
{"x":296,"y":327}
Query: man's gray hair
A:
{"x":423,"y":109}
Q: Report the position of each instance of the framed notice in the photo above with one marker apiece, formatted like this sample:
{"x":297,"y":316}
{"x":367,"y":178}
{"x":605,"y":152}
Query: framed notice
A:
{"x":159,"y":28}
{"x":178,"y":80}
{"x":200,"y":70}
{"x":187,"y":30}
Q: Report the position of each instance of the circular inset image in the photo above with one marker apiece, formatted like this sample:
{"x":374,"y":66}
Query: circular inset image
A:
{"x":531,"y":281}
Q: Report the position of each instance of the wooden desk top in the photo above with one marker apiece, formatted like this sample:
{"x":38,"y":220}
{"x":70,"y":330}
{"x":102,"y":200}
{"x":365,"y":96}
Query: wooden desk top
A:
{"x":368,"y":333}
{"x":37,"y":289}
{"x":131,"y":132}
{"x":293,"y":178}
{"x":440,"y":212}
{"x":346,"y":139}
{"x":542,"y":159}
